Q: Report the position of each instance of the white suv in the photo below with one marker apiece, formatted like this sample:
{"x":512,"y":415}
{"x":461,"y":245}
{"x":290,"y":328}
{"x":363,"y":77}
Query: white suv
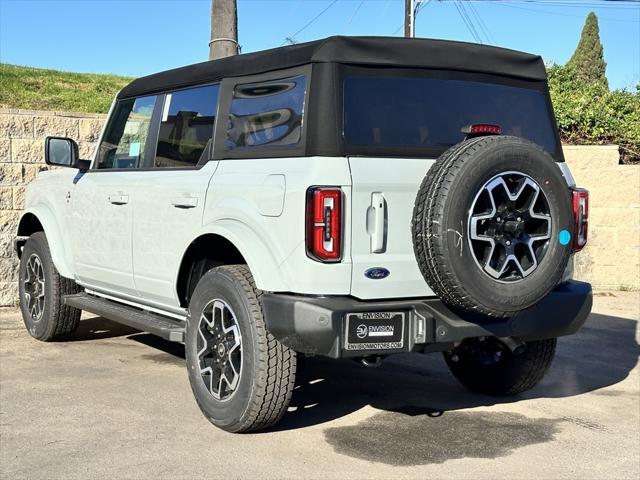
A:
{"x":350,"y":198}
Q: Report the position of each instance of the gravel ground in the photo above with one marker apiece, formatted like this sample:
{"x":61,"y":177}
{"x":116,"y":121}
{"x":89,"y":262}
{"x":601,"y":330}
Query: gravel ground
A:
{"x":115,"y":403}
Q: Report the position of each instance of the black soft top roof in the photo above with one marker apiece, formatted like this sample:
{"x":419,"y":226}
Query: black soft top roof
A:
{"x":373,"y":51}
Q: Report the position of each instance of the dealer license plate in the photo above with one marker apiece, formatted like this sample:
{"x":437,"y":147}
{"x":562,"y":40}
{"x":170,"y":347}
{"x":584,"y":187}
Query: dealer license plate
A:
{"x":374,"y":331}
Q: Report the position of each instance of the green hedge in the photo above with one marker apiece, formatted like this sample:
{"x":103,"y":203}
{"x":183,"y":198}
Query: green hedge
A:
{"x":588,"y":113}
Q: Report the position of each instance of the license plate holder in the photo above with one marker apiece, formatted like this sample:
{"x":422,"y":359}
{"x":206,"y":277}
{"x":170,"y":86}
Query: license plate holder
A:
{"x":374,"y":331}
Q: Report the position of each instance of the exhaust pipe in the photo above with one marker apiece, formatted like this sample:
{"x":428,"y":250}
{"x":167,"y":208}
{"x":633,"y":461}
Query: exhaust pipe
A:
{"x":514,"y":344}
{"x":372,"y":361}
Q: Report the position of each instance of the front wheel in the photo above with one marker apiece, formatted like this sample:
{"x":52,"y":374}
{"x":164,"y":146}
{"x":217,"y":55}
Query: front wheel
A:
{"x":41,"y":290}
{"x":488,"y":366}
{"x":241,"y":376}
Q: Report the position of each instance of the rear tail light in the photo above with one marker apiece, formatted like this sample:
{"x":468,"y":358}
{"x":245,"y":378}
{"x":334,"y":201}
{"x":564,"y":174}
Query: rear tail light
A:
{"x":324,"y":223}
{"x":580,"y":217}
{"x":479,"y":129}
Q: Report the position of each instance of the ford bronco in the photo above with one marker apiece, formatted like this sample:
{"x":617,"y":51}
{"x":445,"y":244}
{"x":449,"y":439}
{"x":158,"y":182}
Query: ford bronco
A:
{"x":353,"y":197}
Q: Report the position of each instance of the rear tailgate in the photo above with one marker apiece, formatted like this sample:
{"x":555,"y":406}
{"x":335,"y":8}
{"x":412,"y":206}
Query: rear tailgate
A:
{"x":383,"y":195}
{"x":391,"y":116}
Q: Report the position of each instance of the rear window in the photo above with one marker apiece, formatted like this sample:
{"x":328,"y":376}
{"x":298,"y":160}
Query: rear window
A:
{"x":266,"y":114}
{"x":414,"y":112}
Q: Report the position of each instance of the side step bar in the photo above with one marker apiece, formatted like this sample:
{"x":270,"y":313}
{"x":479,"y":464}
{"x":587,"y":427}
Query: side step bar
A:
{"x":167,"y":328}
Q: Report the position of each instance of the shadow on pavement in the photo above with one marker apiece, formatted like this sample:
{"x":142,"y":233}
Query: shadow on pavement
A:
{"x":422,"y":418}
{"x":600,"y":355}
{"x":96,"y":328}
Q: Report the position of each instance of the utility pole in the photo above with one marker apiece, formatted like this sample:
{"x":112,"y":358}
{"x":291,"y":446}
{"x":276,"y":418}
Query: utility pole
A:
{"x":409,"y":18}
{"x":224,"y":29}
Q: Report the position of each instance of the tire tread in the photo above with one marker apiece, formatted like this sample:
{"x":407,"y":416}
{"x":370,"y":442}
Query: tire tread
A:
{"x":62,"y":319}
{"x":519,"y":374}
{"x":428,"y":237}
{"x":275,"y":365}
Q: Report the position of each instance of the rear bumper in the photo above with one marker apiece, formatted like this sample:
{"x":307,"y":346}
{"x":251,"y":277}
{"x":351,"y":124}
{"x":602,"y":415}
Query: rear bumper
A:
{"x":315,"y":325}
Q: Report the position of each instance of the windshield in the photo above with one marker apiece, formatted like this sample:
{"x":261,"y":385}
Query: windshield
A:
{"x":417,"y":112}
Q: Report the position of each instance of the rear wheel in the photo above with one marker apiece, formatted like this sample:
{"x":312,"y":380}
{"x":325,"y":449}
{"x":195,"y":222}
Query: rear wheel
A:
{"x":488,"y":366}
{"x":241,"y":376}
{"x":41,"y":290}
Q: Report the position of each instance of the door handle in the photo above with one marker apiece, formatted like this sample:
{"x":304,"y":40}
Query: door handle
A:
{"x":118,"y":199}
{"x":184,"y":202}
{"x":377,"y":222}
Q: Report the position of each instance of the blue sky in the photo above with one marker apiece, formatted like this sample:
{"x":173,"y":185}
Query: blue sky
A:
{"x":140,"y":37}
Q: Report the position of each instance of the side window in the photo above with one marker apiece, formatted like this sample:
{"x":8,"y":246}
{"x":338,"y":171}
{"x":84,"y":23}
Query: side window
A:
{"x":266,"y":114}
{"x":186,"y":127}
{"x":125,"y":139}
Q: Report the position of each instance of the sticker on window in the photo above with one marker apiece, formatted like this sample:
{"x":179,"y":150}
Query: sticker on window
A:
{"x":134,"y":149}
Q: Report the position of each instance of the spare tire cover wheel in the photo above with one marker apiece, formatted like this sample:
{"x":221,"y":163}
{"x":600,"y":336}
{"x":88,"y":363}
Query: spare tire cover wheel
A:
{"x":491,"y":225}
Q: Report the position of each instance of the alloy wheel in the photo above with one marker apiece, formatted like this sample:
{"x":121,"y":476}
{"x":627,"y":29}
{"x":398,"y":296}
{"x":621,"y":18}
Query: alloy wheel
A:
{"x":509,"y":226}
{"x":219,"y":349}
{"x":34,"y":287}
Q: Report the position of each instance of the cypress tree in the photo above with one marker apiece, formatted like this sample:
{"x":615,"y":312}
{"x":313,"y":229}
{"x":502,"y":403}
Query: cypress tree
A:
{"x":588,"y":59}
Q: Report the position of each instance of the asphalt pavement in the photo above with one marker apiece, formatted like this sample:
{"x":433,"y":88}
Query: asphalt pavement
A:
{"x":115,"y":403}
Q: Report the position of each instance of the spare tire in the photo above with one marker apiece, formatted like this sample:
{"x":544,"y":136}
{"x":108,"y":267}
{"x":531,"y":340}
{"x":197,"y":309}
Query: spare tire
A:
{"x":491,"y":225}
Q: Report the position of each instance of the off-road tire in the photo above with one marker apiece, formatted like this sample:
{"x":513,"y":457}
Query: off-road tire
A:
{"x":442,"y":206}
{"x":269,"y":368}
{"x":58,"y":321}
{"x":511,"y":375}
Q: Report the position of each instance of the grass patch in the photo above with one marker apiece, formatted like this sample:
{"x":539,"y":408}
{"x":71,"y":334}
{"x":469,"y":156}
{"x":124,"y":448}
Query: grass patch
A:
{"x":42,"y":89}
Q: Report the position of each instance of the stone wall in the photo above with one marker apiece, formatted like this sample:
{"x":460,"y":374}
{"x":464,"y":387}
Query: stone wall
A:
{"x":22,"y":136}
{"x":610,"y":261}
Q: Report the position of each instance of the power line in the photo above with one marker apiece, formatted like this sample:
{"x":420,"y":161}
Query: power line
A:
{"x":483,"y":26}
{"x":469,"y":26}
{"x":293,"y":37}
{"x":628,"y":5}
{"x":601,"y":4}
{"x":356,"y":12}
{"x":463,"y":6}
{"x":577,"y":3}
{"x":612,"y":3}
{"x":588,"y":3}
{"x":548,"y":12}
{"x":420,"y":6}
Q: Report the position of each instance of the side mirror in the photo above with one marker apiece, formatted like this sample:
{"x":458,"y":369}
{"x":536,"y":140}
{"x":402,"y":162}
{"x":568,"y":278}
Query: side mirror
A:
{"x":63,"y":152}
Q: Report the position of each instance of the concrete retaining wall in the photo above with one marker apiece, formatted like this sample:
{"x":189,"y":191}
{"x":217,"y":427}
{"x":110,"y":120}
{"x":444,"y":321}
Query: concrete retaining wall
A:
{"x":22,"y":135}
{"x":611,"y":260}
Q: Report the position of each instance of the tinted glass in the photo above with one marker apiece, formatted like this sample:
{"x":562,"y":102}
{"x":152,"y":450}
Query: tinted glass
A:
{"x":426,"y":112}
{"x":186,"y":126}
{"x":125,"y":139}
{"x":266,"y":114}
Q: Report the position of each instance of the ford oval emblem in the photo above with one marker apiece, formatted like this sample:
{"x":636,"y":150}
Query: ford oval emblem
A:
{"x":377,"y":273}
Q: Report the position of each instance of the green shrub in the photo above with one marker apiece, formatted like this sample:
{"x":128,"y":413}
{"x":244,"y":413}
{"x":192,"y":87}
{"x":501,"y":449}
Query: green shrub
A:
{"x":588,"y":113}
